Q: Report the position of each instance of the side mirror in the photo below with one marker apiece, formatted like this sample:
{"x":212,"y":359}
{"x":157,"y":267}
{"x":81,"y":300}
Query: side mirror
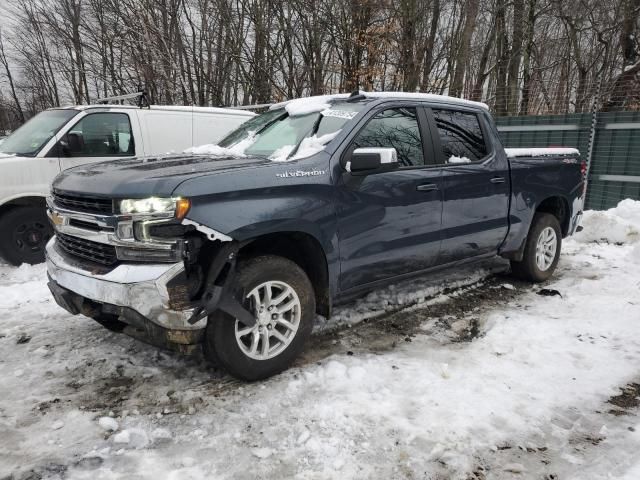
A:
{"x":63,"y":148}
{"x":372,"y":160}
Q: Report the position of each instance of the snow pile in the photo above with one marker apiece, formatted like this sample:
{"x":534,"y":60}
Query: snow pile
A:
{"x":215,"y":150}
{"x":539,"y":152}
{"x":305,"y":103}
{"x":619,"y":225}
{"x":297,"y":109}
{"x":108,"y":424}
{"x":309,"y":146}
{"x":135,"y":438}
{"x":455,"y":159}
{"x":282,"y":153}
{"x":236,"y":150}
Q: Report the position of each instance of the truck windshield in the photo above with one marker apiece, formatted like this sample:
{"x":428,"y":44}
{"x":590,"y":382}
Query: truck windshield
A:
{"x":29,"y":139}
{"x":277,"y":131}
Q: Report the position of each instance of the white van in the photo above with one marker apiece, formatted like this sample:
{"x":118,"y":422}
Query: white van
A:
{"x":61,"y":138}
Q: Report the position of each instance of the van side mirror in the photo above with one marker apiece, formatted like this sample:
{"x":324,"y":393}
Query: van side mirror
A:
{"x":372,"y":160}
{"x":63,"y":148}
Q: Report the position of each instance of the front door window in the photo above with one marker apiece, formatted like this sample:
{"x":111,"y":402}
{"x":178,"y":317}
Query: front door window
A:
{"x":99,"y":135}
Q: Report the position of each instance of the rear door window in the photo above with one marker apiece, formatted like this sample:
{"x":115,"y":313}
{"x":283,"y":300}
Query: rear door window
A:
{"x":460,"y":135}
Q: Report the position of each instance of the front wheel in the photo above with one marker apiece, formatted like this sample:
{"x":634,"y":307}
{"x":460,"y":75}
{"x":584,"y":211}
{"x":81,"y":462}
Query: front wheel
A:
{"x":282,"y":299}
{"x":542,"y":249}
{"x":24,"y":232}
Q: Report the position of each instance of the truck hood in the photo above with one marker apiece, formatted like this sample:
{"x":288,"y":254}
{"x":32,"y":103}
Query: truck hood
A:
{"x":145,"y":176}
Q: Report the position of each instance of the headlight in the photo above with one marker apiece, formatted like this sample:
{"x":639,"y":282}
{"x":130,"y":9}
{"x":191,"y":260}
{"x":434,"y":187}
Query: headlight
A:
{"x":178,"y":206}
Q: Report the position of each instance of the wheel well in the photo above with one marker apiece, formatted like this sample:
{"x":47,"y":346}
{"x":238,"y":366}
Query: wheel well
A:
{"x":23,"y":202}
{"x":558,"y":207}
{"x":306,"y":252}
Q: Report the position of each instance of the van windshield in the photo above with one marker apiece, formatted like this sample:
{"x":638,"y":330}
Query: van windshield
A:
{"x":29,"y":139}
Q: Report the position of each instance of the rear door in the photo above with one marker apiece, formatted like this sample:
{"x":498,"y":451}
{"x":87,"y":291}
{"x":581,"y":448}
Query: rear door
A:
{"x":389,"y":222}
{"x":476,"y":184}
{"x":97,"y":137}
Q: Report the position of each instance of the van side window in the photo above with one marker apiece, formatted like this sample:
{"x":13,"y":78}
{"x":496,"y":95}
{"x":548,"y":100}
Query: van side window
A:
{"x":394,"y":128}
{"x":460,"y":136}
{"x":99,"y":135}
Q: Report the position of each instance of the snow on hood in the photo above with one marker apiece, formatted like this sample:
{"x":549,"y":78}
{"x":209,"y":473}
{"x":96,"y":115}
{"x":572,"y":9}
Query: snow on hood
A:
{"x":539,"y":152}
{"x":215,"y":150}
{"x":309,"y":146}
{"x":618,"y":225}
{"x":236,"y":150}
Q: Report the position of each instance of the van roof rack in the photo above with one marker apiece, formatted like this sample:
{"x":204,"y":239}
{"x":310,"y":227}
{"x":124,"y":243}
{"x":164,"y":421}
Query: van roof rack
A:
{"x":143,"y":99}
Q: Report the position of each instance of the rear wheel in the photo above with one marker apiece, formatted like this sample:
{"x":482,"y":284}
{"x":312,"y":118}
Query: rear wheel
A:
{"x":24,"y":233}
{"x":542,"y":249}
{"x":282,"y":299}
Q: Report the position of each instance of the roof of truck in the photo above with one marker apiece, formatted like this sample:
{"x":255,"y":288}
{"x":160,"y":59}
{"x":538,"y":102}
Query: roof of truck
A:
{"x":304,"y":102}
{"x":175,"y":108}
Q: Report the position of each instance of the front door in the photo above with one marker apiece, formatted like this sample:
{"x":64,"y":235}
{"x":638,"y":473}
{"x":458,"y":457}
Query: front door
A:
{"x":97,"y":137}
{"x":389,"y":222}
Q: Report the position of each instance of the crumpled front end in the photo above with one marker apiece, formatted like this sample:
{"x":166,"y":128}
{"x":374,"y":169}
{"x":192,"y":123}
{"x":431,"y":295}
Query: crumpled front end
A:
{"x":130,"y":270}
{"x":148,"y":298}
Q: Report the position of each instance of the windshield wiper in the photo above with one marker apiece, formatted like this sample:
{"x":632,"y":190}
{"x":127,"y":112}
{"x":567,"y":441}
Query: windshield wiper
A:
{"x":314,"y":130}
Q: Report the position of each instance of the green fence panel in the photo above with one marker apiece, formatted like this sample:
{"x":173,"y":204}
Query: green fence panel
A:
{"x":615,"y":163}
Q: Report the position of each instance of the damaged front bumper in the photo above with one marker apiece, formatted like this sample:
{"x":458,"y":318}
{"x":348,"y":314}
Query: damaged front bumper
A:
{"x":151,"y":299}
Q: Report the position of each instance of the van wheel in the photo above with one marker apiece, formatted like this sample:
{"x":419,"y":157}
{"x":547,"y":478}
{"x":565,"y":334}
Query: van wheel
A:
{"x":24,"y":233}
{"x":541,"y":251}
{"x":282,"y":298}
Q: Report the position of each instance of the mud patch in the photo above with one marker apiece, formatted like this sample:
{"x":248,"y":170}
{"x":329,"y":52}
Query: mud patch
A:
{"x":628,"y":399}
{"x":50,"y":470}
{"x":454,"y":316}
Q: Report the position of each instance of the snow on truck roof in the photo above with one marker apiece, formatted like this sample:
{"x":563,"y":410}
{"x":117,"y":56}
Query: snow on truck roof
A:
{"x":302,"y":106}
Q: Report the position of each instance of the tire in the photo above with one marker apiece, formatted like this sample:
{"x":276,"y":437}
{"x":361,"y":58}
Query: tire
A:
{"x":529,"y":268}
{"x":224,"y":349}
{"x":24,"y":233}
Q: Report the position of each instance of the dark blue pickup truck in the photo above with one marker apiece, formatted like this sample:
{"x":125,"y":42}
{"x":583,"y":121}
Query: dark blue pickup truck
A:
{"x":237,"y":246}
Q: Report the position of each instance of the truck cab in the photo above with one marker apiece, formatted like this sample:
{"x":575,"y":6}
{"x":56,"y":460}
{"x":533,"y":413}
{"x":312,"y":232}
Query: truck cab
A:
{"x":62,"y":138}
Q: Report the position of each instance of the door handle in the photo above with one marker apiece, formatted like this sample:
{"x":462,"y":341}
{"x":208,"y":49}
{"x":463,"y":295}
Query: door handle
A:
{"x":427,"y":187}
{"x":497,"y":180}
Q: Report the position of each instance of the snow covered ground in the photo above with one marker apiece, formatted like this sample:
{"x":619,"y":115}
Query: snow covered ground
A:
{"x":472,"y":379}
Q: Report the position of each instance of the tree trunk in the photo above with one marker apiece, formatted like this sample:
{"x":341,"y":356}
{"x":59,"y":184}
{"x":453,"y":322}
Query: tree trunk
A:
{"x":464,"y":46}
{"x":516,"y":56}
{"x":526,"y":61}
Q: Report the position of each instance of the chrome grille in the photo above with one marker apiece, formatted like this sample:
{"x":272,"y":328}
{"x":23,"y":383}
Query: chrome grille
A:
{"x":97,"y":205}
{"x":87,"y":249}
